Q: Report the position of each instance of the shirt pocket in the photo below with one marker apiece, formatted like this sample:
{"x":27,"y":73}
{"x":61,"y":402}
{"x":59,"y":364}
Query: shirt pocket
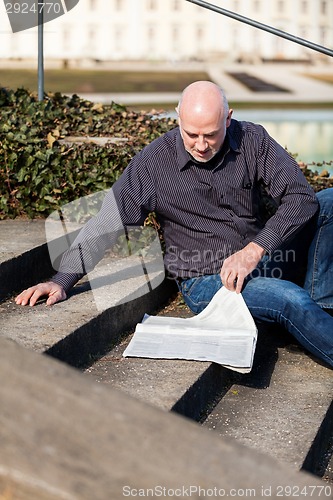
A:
{"x":243,"y":201}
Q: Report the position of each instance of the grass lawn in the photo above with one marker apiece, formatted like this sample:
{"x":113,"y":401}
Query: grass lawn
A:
{"x":71,"y":81}
{"x":74,"y":81}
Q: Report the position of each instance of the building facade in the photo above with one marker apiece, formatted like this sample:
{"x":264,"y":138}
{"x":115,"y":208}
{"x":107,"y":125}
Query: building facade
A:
{"x":174,"y":30}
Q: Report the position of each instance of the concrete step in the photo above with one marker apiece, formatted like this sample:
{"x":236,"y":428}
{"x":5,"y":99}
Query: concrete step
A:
{"x":66,"y":437}
{"x":282,"y":408}
{"x":24,"y":257}
{"x":79,"y":331}
{"x":101,"y":309}
{"x":275,"y":401}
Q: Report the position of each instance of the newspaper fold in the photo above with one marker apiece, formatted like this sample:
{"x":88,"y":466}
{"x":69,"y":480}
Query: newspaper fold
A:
{"x":224,"y":333}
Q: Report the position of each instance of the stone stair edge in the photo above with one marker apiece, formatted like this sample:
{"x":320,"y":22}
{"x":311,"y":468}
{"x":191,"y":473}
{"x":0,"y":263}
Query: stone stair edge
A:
{"x":61,"y":455}
{"x":265,"y":389}
{"x":24,"y":255}
{"x":114,"y":319}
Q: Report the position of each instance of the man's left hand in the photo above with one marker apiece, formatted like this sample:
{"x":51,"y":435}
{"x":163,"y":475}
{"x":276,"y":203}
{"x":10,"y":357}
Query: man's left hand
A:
{"x":239,"y":265}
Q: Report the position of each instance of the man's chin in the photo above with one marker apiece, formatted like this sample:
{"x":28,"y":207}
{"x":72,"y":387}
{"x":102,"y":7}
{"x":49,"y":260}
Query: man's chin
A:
{"x":203,"y":158}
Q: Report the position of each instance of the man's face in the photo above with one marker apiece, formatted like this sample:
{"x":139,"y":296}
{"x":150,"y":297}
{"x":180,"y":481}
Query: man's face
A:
{"x":203,"y":136}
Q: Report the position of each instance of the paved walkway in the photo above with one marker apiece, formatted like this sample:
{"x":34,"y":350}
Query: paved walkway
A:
{"x":295,"y":78}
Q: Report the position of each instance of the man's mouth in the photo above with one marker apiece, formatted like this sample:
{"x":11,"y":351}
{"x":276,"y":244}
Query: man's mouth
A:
{"x":203,"y":153}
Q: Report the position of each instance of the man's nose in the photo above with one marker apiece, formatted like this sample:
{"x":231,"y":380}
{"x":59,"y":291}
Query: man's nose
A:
{"x":202,"y":143}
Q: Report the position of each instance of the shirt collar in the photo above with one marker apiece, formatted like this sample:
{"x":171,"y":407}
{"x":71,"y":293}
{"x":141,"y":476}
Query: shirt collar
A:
{"x":231,"y":142}
{"x":234,"y":135}
{"x":183,"y":156}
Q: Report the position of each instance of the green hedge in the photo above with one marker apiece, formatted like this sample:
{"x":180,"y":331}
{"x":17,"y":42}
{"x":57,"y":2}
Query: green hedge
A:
{"x":38,"y":174}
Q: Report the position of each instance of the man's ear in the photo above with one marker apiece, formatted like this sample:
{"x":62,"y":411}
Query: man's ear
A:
{"x":229,"y":117}
{"x":178,"y":117}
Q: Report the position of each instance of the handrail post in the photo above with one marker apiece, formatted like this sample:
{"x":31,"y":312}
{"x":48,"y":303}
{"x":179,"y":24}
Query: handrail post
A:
{"x":40,"y":7}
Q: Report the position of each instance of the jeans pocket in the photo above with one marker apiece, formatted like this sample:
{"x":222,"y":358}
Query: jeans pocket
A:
{"x":198,"y":292}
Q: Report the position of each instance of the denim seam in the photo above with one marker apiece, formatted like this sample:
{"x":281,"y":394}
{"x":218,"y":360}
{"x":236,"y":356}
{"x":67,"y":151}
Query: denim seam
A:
{"x":315,"y":264}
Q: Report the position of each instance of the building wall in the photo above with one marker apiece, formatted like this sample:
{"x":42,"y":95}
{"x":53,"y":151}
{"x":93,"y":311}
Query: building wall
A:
{"x":173,"y":30}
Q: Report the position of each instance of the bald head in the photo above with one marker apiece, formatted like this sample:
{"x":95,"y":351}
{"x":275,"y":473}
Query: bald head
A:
{"x":202,"y":97}
{"x":204,"y":116}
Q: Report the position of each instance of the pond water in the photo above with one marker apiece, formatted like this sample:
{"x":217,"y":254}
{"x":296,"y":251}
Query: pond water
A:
{"x":307,"y":133}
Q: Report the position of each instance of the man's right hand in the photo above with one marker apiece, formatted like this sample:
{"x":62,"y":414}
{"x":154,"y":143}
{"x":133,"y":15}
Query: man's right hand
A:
{"x":53,"y":291}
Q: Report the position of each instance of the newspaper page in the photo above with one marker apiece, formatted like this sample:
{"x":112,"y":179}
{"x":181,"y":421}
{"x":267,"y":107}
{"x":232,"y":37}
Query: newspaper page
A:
{"x":224,"y":332}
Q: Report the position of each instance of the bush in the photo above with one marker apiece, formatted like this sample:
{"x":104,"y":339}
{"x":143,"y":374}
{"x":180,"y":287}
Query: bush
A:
{"x":38,"y":173}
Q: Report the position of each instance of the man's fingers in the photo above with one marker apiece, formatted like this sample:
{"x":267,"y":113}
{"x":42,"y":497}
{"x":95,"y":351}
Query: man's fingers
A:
{"x":233,"y":280}
{"x":237,"y":266}
{"x":55,"y":297}
{"x":24,"y":297}
{"x":53,"y":291}
{"x":228,"y":280}
{"x":35,"y":296}
{"x":239,"y":284}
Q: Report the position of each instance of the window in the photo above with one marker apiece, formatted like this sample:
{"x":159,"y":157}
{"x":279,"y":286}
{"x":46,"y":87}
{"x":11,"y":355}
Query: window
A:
{"x":151,"y":5}
{"x":66,"y":38}
{"x":119,"y":38}
{"x":92,"y":37}
{"x":304,"y":32}
{"x":175,"y":33}
{"x":323,"y":35}
{"x":119,"y":4}
{"x":323,"y":8}
{"x":176,"y":5}
{"x":280,"y":6}
{"x":199,"y":33}
{"x":151,"y":34}
{"x":304,"y":7}
{"x":234,"y":38}
{"x":256,"y":6}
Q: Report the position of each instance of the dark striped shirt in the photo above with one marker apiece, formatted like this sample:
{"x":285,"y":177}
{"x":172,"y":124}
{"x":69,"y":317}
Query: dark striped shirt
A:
{"x":207,"y":211}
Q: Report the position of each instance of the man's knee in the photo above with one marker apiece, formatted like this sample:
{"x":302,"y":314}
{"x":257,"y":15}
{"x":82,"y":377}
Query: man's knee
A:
{"x":271,"y":290}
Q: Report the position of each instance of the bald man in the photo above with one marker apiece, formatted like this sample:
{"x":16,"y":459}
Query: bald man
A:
{"x":207,"y":180}
{"x":203,"y":127}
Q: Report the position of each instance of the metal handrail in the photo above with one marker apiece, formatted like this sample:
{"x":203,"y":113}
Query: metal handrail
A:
{"x":264,"y":27}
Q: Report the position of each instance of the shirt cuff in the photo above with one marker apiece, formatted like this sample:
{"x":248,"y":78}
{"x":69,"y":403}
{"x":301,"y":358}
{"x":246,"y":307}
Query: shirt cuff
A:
{"x":268,"y":240}
{"x":66,"y":280}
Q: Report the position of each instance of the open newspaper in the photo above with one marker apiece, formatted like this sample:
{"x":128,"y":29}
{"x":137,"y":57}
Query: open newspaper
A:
{"x":224,"y":332}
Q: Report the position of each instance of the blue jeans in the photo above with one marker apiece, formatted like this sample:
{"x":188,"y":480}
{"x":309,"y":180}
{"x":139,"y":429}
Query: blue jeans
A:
{"x":272,"y":297}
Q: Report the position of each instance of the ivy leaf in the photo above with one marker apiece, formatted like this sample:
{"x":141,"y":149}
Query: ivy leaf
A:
{"x":50,"y":139}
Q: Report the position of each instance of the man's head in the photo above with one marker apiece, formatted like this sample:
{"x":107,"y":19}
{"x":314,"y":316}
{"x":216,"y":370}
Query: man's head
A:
{"x":204,"y":117}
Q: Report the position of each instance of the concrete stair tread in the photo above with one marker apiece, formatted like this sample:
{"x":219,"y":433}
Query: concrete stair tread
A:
{"x":66,"y":437}
{"x":284,"y":418}
{"x":278,"y":408}
{"x":24,"y":258}
{"x":158,"y":382}
{"x":19,"y":236}
{"x":265,"y":406}
{"x":41,"y":327}
{"x":116,"y":281}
